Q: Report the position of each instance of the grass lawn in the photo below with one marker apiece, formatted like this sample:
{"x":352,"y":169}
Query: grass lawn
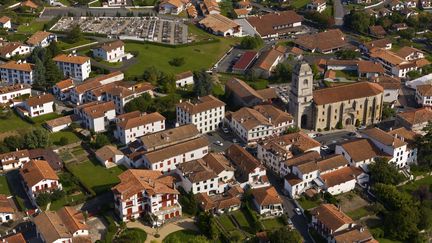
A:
{"x":64,"y":45}
{"x":32,"y":27}
{"x":308,"y":204}
{"x":78,"y":151}
{"x":71,"y":136}
{"x":328,"y":11}
{"x":95,"y":176}
{"x":46,"y":117}
{"x":4,"y":186}
{"x":271,"y":224}
{"x":56,"y":205}
{"x":137,"y":234}
{"x":412,"y":186}
{"x":383,"y":240}
{"x":198,"y":34}
{"x":180,"y":236}
{"x":196,"y":57}
{"x":359,"y":213}
{"x":226,"y":222}
{"x":96,"y":4}
{"x":14,"y":122}
{"x":346,"y":74}
{"x":298,"y":4}
{"x":241,"y":219}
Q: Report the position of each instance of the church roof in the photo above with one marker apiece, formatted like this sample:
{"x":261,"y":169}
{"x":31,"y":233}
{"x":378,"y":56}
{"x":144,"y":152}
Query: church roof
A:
{"x":346,"y":92}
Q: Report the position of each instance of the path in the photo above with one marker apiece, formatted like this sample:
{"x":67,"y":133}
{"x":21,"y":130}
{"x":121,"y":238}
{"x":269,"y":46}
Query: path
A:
{"x":339,"y":13}
{"x":183,"y":224}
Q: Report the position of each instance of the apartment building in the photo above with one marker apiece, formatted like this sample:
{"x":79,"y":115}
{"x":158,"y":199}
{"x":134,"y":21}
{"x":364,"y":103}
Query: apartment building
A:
{"x":65,"y":225}
{"x":62,"y":89}
{"x":14,"y":160}
{"x":96,"y":115}
{"x":9,"y":92}
{"x":36,"y":105}
{"x":206,"y":113}
{"x":14,"y":72}
{"x":37,"y":177}
{"x":132,"y":125}
{"x":78,"y":94}
{"x":273,"y":152}
{"x":209,"y":174}
{"x":73,"y":66}
{"x":142,"y":192}
{"x":110,"y":52}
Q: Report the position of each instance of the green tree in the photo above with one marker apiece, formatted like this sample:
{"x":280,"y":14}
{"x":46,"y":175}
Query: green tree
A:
{"x":414,"y":74}
{"x":384,"y":172}
{"x":53,"y":73}
{"x":251,"y":42}
{"x":285,"y":235}
{"x":152,"y":75}
{"x":424,"y":146}
{"x":54,"y":49}
{"x":43,"y":199}
{"x":63,"y":141}
{"x":37,"y":138}
{"x":101,"y":140}
{"x":388,"y":112}
{"x":425,"y":220}
{"x":177,"y":61}
{"x":203,"y":83}
{"x":39,"y":73}
{"x":75,"y":34}
{"x":282,"y":73}
{"x":347,"y":54}
{"x":358,"y":21}
{"x":14,"y":142}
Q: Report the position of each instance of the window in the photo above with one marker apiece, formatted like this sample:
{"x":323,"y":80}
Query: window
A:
{"x":305,"y":82}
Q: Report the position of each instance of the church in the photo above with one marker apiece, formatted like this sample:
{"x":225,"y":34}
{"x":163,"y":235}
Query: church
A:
{"x":359,"y":103}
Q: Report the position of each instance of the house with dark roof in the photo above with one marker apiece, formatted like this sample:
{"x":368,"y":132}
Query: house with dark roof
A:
{"x":322,"y":42}
{"x":245,"y":62}
{"x":243,"y":95}
{"x":274,"y":25}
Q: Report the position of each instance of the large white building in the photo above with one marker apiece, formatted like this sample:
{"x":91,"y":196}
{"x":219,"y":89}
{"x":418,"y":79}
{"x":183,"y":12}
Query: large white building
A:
{"x":36,"y":105}
{"x":38,"y":177}
{"x":134,"y":124}
{"x":7,"y":93}
{"x":14,"y":159}
{"x":146,"y":192}
{"x":14,"y":72}
{"x":96,"y":115}
{"x":73,"y":66}
{"x":110,"y":52}
{"x":206,"y":113}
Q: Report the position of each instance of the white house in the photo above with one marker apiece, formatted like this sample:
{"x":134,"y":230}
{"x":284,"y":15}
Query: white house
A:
{"x":173,"y":7}
{"x":14,"y":72}
{"x":62,"y":89}
{"x":206,"y":113}
{"x":5,"y":22}
{"x":391,"y":86}
{"x":73,"y":66}
{"x":70,"y":226}
{"x":41,"y":39}
{"x":267,"y":201}
{"x":10,"y":49}
{"x":343,"y":180}
{"x":410,"y":53}
{"x":38,"y":177}
{"x":7,"y":211}
{"x":60,"y":123}
{"x":14,"y":159}
{"x":220,"y":25}
{"x":96,"y":115}
{"x":9,"y":92}
{"x":36,"y":105}
{"x":184,"y":79}
{"x":130,"y":126}
{"x":110,"y":156}
{"x":423,"y":94}
{"x":146,"y":192}
{"x":111,"y":51}
{"x":414,"y":120}
{"x":316,"y":5}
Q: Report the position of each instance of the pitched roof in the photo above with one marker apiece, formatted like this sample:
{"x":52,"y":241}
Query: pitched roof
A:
{"x":266,"y":196}
{"x":107,"y":152}
{"x":387,"y":82}
{"x":362,"y":149}
{"x":169,"y":137}
{"x":12,"y":156}
{"x":16,"y":238}
{"x":322,"y":41}
{"x":40,"y":100}
{"x":245,"y":60}
{"x":303,"y":158}
{"x":13,"y":88}
{"x":139,"y":120}
{"x":377,"y":30}
{"x":71,"y":59}
{"x":218,"y":163}
{"x":30,"y":4}
{"x":268,"y":58}
{"x":250,"y":118}
{"x":405,"y":51}
{"x":196,"y":171}
{"x":38,"y":37}
{"x":4,"y":19}
{"x":242,"y":89}
{"x":308,"y":167}
{"x":381,"y":43}
{"x":354,"y":234}
{"x":98,"y":109}
{"x":297,"y":142}
{"x":134,"y":181}
{"x":346,"y":92}
{"x":242,"y":159}
{"x":383,"y":137}
{"x":60,"y":121}
{"x":109,"y":46}
{"x":369,"y":67}
{"x":332,"y":162}
{"x":331,"y":216}
{"x":6,"y":205}
{"x":218,"y":23}
{"x":424,"y":89}
{"x":340,"y":176}
{"x":417,"y":116}
{"x":184,"y":75}
{"x":26,"y":67}
{"x":36,"y":171}
{"x":64,"y":84}
{"x":277,"y":116}
{"x":387,"y":56}
{"x":176,"y":149}
{"x":407,"y":135}
{"x":201,"y":104}
{"x":267,"y":24}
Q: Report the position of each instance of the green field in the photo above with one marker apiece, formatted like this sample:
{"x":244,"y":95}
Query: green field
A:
{"x":71,"y":136}
{"x":412,"y":186}
{"x":226,"y":222}
{"x":196,"y":57}
{"x":308,"y":204}
{"x":180,"y":236}
{"x":272,"y":224}
{"x":32,"y":27}
{"x":64,"y":45}
{"x":14,"y":122}
{"x":298,"y":4}
{"x":4,"y":187}
{"x":56,"y":205}
{"x":43,"y":118}
{"x":359,"y":213}
{"x":96,"y":177}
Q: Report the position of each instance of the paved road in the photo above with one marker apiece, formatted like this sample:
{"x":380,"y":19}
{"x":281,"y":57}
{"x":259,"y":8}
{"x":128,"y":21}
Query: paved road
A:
{"x":83,"y":11}
{"x":299,"y":221}
{"x":334,"y":137}
{"x":339,"y":12}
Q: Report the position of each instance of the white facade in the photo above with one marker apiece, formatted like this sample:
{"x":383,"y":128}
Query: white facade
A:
{"x":113,"y":55}
{"x":126,"y":136}
{"x":253,"y":134}
{"x":76,"y":71}
{"x":36,"y":110}
{"x":185,"y":81}
{"x":19,"y":50}
{"x":7,"y":93}
{"x":390,"y":95}
{"x":6,"y":217}
{"x":362,"y":164}
{"x":205,"y":120}
{"x":45,"y":185}
{"x":6,"y":25}
{"x":98,"y":124}
{"x":16,"y":76}
{"x":209,"y":186}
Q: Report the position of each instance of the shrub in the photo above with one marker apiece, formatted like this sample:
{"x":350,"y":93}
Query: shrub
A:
{"x":63,"y":141}
{"x":177,"y":61}
{"x":339,"y":125}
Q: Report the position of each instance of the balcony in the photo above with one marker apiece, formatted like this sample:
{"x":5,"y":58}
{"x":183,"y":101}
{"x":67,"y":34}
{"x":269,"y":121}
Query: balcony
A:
{"x":167,"y":210}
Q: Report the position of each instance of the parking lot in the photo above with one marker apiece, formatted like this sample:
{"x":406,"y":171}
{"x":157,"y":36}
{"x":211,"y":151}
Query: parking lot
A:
{"x":230,"y":59}
{"x":220,"y":141}
{"x":137,"y":28}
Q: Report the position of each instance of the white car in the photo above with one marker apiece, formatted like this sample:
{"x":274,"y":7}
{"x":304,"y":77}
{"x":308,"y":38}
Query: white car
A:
{"x":235,"y":140}
{"x":298,"y":211}
{"x":219,"y":143}
{"x":324,"y":147}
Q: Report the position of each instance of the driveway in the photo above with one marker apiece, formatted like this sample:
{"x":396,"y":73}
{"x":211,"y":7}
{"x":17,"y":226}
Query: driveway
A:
{"x":182,"y":224}
{"x":339,"y":12}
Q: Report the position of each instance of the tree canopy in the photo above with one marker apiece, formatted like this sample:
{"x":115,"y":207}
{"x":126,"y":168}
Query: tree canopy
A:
{"x":203,"y":83}
{"x":384,"y":172}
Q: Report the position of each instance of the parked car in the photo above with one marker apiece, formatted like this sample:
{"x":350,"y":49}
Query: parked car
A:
{"x":235,"y":140}
{"x":225,"y":130}
{"x":324,"y":147}
{"x":219,"y":143}
{"x":298,"y":211}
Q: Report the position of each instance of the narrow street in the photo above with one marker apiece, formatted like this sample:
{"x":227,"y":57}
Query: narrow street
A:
{"x":339,"y":12}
